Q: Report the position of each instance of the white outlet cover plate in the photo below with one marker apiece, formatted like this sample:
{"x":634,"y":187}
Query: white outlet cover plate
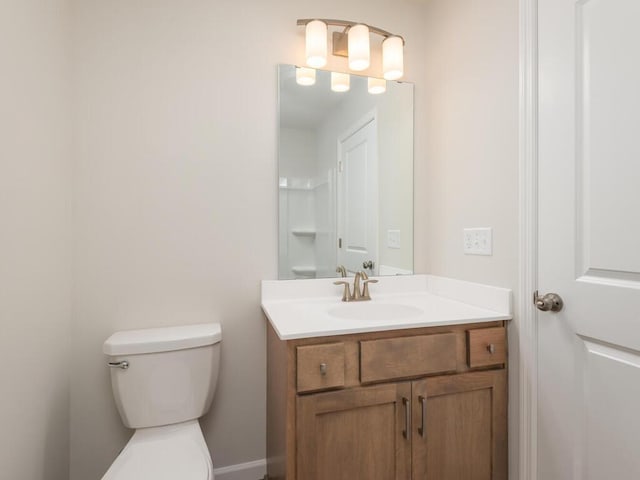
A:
{"x":393,"y":238}
{"x":478,"y":241}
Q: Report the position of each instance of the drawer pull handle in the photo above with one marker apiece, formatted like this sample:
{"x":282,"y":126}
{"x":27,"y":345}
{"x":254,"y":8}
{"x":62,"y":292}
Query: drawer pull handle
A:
{"x":407,"y":418}
{"x":423,"y":402}
{"x":323,"y":369}
{"x":491,"y":348}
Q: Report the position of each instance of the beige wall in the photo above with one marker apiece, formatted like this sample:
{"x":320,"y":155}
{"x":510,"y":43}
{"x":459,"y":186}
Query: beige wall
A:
{"x":35,"y":193}
{"x":175,"y":198}
{"x":176,"y":190}
{"x":471,"y":83}
{"x":471,"y":128}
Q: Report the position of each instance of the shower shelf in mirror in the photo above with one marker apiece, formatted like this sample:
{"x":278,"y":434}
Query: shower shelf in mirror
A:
{"x":306,"y":271}
{"x":304,"y":184}
{"x":304,"y":233}
{"x":300,"y":188}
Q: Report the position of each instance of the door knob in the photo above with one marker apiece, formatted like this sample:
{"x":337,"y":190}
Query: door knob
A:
{"x":368,"y":264}
{"x":550,"y":302}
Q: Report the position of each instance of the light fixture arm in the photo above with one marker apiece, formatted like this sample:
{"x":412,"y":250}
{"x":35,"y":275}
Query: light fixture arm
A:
{"x":347,"y":24}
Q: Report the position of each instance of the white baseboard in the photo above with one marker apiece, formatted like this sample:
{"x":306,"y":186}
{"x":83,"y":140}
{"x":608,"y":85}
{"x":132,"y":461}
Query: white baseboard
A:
{"x":255,"y":470}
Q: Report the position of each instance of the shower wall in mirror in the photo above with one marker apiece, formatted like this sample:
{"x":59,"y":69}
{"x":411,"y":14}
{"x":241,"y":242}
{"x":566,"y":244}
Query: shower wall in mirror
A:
{"x":345,"y":178}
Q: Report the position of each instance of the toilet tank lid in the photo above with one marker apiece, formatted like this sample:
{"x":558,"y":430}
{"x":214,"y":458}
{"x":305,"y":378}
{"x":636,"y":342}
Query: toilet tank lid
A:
{"x":163,"y":339}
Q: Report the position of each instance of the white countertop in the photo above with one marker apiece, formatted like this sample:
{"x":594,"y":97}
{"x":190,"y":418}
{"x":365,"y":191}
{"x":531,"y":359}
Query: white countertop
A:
{"x":307,"y":308}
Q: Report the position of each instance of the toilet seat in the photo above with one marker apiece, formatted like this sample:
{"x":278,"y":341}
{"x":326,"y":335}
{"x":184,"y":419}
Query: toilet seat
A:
{"x":164,"y":453}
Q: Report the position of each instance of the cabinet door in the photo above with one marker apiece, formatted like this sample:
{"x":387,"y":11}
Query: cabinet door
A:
{"x":459,"y":427}
{"x":361,"y":433}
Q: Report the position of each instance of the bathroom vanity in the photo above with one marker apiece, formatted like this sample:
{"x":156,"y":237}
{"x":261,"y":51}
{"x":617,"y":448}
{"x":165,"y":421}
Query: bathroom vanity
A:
{"x":410,"y":385}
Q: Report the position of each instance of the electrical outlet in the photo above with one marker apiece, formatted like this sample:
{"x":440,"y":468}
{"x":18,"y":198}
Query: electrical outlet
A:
{"x":393,"y":238}
{"x":478,"y":241}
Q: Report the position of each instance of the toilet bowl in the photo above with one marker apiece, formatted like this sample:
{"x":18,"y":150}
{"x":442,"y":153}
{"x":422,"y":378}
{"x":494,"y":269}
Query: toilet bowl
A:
{"x":170,"y":452}
{"x":163,"y":380}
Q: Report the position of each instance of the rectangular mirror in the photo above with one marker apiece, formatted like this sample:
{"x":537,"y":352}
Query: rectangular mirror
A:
{"x":345,"y":164}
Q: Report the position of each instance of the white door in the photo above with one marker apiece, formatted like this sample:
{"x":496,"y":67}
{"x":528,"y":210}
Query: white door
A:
{"x":358,"y":198}
{"x":589,"y":239}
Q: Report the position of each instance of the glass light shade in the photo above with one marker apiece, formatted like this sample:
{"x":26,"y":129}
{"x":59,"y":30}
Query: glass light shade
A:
{"x":359,"y":47}
{"x":305,"y":76}
{"x":392,"y":58}
{"x":340,"y":82}
{"x":316,"y":43}
{"x":377,"y":85}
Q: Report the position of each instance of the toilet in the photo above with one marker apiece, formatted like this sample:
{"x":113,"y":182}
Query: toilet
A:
{"x":163,"y":380}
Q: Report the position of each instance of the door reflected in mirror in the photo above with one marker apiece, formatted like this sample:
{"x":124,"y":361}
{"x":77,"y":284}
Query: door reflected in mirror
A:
{"x":345,"y":163}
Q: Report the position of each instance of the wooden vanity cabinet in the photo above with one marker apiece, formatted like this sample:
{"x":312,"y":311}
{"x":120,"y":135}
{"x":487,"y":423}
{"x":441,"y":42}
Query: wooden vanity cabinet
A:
{"x":465,"y":427}
{"x":396,"y":405}
{"x":354,"y":433}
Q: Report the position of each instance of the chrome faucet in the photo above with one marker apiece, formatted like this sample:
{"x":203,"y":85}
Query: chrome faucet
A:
{"x":358,"y":294}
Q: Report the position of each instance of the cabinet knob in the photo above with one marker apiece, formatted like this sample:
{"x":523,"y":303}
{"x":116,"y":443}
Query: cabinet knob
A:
{"x":323,"y":369}
{"x":491,"y":348}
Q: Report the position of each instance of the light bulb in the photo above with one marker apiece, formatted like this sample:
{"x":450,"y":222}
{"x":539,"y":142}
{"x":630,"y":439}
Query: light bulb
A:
{"x":358,"y":47}
{"x":305,"y":76}
{"x":392,"y":58}
{"x":339,"y":82}
{"x":377,"y":85}
{"x":316,"y":43}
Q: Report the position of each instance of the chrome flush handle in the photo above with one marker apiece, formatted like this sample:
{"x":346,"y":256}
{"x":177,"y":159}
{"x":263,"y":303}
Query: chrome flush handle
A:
{"x":123,"y":364}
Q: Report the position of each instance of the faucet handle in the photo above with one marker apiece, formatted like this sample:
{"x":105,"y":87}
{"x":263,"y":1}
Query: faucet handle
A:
{"x":365,"y":292}
{"x":346,"y":293}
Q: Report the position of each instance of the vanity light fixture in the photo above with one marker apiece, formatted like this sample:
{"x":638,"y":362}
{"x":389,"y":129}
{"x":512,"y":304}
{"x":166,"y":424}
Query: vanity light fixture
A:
{"x":392,"y":58}
{"x":358,"y":47}
{"x":352,"y":42}
{"x":376,"y":85}
{"x":316,"y":43}
{"x":340,"y":82}
{"x":305,"y":76}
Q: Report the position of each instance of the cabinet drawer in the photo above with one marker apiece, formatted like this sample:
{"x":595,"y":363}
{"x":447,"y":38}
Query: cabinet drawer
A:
{"x":320,"y":367}
{"x":407,"y":357}
{"x":486,"y":347}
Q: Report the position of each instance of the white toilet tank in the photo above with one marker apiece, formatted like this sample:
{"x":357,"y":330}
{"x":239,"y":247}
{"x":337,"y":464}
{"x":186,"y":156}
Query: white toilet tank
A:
{"x":162,"y":376}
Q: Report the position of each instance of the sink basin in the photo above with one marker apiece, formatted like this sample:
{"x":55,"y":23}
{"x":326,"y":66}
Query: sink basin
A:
{"x":374,"y":311}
